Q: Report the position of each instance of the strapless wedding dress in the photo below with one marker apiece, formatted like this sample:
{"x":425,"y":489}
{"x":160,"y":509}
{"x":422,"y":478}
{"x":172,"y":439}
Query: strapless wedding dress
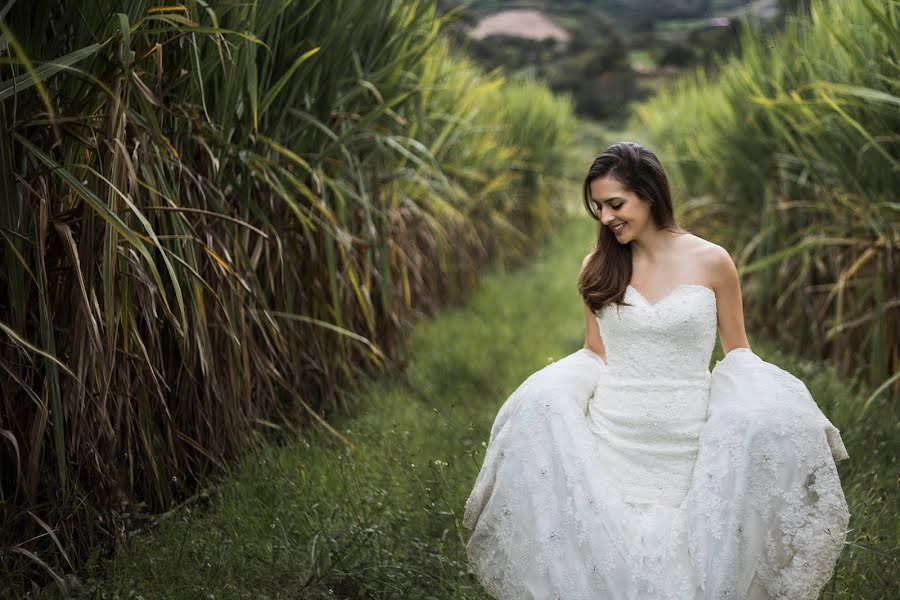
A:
{"x":650,"y":477}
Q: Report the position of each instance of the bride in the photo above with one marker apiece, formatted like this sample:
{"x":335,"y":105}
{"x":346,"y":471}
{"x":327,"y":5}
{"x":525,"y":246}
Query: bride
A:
{"x":628,"y":470}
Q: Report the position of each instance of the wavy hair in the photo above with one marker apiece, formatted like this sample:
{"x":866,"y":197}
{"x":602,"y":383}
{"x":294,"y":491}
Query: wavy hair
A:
{"x":606,"y":274}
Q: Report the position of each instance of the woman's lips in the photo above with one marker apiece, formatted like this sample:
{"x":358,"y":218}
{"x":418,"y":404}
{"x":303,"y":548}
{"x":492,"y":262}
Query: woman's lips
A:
{"x":618,"y":228}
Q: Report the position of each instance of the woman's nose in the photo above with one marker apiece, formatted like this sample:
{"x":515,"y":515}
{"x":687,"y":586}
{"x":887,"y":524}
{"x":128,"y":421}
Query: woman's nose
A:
{"x":605,"y":216}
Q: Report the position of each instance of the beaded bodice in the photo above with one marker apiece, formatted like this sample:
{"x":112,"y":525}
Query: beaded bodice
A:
{"x":672,"y":338}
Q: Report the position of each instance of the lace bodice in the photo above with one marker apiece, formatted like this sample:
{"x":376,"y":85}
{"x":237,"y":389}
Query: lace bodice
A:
{"x":670,"y":339}
{"x":647,"y":413}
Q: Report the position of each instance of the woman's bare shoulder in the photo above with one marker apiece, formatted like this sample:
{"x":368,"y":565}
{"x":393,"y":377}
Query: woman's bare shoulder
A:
{"x":704,"y":249}
{"x":713,"y":260}
{"x":718,"y":264}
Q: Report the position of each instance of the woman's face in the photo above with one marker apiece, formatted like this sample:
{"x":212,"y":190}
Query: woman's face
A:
{"x":625,"y":213}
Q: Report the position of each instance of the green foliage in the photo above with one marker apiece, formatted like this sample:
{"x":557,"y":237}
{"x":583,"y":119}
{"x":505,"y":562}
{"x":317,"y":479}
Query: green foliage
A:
{"x":384,"y":521}
{"x":790,"y":158}
{"x":219,"y":216}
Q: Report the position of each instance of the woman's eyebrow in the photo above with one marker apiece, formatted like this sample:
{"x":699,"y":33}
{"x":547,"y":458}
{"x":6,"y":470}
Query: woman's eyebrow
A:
{"x":608,"y":199}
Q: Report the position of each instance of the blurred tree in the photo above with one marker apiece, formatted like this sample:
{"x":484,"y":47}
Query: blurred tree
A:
{"x":677,"y":54}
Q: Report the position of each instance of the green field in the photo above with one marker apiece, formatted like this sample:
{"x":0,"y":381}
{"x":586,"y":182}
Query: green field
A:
{"x":266,"y":274}
{"x":313,"y":519}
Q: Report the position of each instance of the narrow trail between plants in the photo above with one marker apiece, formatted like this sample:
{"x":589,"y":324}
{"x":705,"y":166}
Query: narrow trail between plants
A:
{"x":313,"y":520}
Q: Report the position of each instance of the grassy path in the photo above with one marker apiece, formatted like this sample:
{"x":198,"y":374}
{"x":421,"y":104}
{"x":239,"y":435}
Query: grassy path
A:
{"x":310,"y":520}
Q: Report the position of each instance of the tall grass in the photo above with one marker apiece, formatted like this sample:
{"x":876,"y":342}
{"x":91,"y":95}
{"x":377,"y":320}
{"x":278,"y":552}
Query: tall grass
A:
{"x":309,"y":521}
{"x":789,"y":157}
{"x":216,"y":217}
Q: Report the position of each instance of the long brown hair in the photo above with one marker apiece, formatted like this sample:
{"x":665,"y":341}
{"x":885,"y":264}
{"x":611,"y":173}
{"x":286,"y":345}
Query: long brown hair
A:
{"x":608,"y":270}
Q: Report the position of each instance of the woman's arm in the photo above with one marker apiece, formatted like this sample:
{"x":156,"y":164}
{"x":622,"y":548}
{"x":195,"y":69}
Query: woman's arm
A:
{"x":729,"y":302}
{"x":592,"y":339}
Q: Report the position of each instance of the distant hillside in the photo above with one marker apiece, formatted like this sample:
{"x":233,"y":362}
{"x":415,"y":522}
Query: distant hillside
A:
{"x":606,"y":53}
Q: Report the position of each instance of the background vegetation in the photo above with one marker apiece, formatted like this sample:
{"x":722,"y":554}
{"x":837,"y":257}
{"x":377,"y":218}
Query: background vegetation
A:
{"x":789,"y":157}
{"x":317,"y":521}
{"x":216,"y":218}
{"x":221,"y":218}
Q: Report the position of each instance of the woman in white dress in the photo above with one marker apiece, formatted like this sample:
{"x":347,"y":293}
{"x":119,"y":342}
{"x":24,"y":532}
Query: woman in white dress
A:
{"x":628,"y":470}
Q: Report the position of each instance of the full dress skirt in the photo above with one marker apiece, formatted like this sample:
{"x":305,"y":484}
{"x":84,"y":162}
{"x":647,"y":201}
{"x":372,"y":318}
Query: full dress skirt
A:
{"x":728,"y":491}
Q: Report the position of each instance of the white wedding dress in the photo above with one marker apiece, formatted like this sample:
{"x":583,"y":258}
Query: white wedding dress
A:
{"x":650,"y":477}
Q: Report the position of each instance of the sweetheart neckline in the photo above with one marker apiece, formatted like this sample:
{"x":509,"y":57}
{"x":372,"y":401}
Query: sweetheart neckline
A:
{"x":671,"y":292}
